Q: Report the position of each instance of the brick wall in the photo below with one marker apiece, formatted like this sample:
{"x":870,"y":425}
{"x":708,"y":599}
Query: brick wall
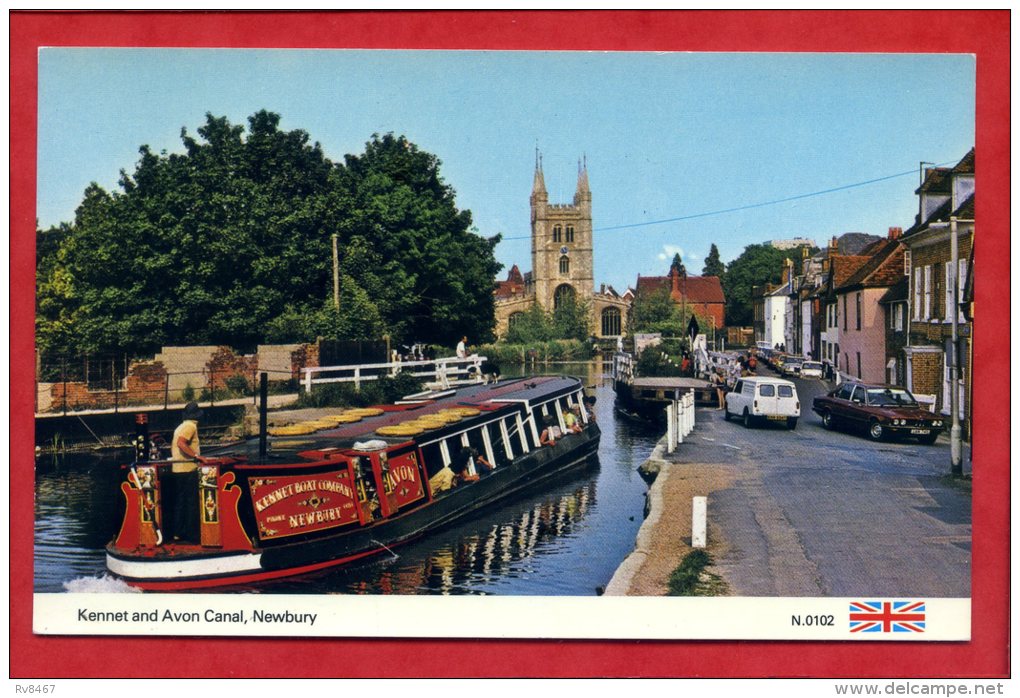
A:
{"x":927,"y":375}
{"x":225,"y":365}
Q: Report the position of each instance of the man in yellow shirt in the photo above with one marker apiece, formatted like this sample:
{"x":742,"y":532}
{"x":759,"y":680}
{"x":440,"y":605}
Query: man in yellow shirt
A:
{"x":185,"y":450}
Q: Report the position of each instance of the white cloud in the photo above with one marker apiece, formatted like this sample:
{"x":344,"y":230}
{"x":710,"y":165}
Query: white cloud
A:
{"x":670,"y":251}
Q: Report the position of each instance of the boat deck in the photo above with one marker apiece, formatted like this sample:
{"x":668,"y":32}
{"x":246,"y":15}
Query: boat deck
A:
{"x":483,"y":396}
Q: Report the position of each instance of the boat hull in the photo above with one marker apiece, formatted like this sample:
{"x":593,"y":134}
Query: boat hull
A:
{"x":533,"y":470}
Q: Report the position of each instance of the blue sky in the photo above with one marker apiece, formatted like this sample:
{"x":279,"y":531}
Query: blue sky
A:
{"x":667,"y":136}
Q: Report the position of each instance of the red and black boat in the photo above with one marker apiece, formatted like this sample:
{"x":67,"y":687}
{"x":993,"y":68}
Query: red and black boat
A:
{"x":352,"y":489}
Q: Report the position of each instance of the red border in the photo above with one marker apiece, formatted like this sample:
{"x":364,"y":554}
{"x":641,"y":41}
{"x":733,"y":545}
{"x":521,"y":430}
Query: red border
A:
{"x":983,"y":33}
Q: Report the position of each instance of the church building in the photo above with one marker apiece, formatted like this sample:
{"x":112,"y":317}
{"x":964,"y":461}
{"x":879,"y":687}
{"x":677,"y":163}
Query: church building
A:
{"x":562,"y":263}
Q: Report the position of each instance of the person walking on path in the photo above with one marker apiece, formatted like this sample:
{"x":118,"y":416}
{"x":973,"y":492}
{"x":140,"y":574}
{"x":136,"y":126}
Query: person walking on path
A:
{"x":462,"y":348}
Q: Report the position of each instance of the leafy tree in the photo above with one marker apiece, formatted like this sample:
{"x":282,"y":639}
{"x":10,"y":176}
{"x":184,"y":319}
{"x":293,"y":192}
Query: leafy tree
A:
{"x":757,"y":265}
{"x":230,"y":243}
{"x":570,"y":321}
{"x":713,"y":264}
{"x":656,"y":311}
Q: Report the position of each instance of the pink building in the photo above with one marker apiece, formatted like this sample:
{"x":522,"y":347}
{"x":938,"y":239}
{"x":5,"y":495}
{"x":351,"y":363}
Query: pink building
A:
{"x":862,"y":318}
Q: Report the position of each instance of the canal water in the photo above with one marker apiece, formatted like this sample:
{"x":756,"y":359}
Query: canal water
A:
{"x":564,"y":540}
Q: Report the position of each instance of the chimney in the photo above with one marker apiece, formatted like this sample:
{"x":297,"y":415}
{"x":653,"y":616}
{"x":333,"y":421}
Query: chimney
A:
{"x":895,"y":233}
{"x":834,"y":246}
{"x":787,"y":270}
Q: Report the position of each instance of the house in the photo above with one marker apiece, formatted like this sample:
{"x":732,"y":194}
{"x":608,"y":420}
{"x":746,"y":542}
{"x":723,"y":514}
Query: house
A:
{"x":938,"y":288}
{"x":862,"y":339}
{"x":701,"y":295}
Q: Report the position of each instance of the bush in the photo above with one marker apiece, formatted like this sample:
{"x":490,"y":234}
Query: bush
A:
{"x":378,"y":392}
{"x":238,"y":385}
{"x":651,"y":363}
{"x":188,"y":394}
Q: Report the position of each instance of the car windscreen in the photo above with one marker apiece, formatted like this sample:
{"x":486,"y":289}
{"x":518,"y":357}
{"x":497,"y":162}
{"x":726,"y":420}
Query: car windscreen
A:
{"x":786,"y":391}
{"x":811,"y":364}
{"x":890,"y":397}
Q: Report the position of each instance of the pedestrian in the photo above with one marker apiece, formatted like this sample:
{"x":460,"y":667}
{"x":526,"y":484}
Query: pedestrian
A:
{"x":462,"y":348}
{"x":718,"y":383}
{"x":185,"y":452}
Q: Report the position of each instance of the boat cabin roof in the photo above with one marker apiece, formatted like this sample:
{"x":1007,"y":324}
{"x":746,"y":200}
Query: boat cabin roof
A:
{"x":494,"y":399}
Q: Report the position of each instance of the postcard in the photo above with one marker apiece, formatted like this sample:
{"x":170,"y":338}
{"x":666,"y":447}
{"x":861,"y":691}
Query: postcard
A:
{"x":509,"y":337}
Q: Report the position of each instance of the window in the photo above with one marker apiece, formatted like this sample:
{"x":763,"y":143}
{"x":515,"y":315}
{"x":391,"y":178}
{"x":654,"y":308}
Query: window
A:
{"x":845,"y":390}
{"x":948,"y":304}
{"x":611,"y":324}
{"x":927,"y":293}
{"x":739,"y":387}
{"x":859,"y":365}
{"x":858,"y":394}
{"x":514,"y":318}
{"x":563,"y":295}
{"x":767,"y":390}
{"x":916,"y":315}
{"x":570,"y":233}
{"x":785,"y":391}
{"x":564,"y":264}
{"x":557,"y":233}
{"x":858,"y":301}
{"x":844,"y":314}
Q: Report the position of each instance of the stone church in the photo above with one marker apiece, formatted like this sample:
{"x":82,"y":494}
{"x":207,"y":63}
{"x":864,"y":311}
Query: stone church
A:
{"x":562,"y":264}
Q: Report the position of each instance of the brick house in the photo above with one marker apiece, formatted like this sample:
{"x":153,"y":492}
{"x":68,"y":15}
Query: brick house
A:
{"x":862,"y":339}
{"x":946,"y":208}
{"x":703,"y":295}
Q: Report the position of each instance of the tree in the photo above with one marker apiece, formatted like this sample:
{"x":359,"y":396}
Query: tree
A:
{"x":656,"y":311}
{"x":230,"y":243}
{"x":757,"y":265}
{"x":713,"y":264}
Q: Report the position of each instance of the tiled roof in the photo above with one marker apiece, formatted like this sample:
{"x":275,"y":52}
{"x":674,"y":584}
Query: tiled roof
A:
{"x":514,"y":284}
{"x":897,"y":292}
{"x":700,"y":289}
{"x":883,"y":268}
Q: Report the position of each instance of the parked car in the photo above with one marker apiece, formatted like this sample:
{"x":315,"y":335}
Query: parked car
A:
{"x":791,"y":366}
{"x":811,"y":369}
{"x":755,"y":398}
{"x":879,"y":410}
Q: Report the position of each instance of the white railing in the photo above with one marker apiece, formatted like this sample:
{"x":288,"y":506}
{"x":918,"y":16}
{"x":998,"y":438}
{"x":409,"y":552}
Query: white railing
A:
{"x":444,"y":372}
{"x":623,"y":367}
{"x":679,"y":420}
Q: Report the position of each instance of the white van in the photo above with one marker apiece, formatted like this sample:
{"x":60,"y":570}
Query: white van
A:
{"x":754,"y":398}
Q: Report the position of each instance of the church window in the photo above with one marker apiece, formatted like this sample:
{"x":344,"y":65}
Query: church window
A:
{"x":570,"y":233}
{"x":514,"y":318}
{"x":564,"y":264}
{"x":557,"y":233}
{"x":563,"y":296}
{"x":611,"y":322}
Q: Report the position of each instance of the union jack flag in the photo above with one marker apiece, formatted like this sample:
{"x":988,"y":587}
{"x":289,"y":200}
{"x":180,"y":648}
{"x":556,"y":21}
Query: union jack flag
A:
{"x":887,"y":616}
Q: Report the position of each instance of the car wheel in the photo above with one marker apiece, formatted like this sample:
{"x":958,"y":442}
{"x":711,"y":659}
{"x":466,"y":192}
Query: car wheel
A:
{"x":747,"y":419}
{"x":791,"y":423}
{"x":827,"y":421}
{"x":875,"y":431}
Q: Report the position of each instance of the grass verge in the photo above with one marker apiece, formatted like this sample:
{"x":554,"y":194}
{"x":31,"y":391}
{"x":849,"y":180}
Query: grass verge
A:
{"x":690,"y":578}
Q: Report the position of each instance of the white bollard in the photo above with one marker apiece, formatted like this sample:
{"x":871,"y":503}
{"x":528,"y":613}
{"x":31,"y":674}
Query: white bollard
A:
{"x":670,"y":427}
{"x":699,"y":522}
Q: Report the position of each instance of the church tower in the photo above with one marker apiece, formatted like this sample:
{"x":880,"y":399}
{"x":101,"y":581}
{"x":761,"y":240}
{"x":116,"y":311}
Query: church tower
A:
{"x":562,"y":263}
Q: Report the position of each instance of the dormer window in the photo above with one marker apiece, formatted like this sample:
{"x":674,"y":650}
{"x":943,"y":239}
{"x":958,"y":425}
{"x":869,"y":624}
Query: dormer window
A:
{"x":557,"y":233}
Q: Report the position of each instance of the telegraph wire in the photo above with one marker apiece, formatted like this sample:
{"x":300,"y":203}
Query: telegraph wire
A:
{"x":747,"y":206}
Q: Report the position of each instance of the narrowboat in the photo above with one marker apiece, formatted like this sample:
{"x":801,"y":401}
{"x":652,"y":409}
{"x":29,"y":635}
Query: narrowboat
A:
{"x":295,"y":503}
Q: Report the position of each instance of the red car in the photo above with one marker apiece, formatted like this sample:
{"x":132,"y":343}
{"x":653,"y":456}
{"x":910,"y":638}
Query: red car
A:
{"x":881,"y":411}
